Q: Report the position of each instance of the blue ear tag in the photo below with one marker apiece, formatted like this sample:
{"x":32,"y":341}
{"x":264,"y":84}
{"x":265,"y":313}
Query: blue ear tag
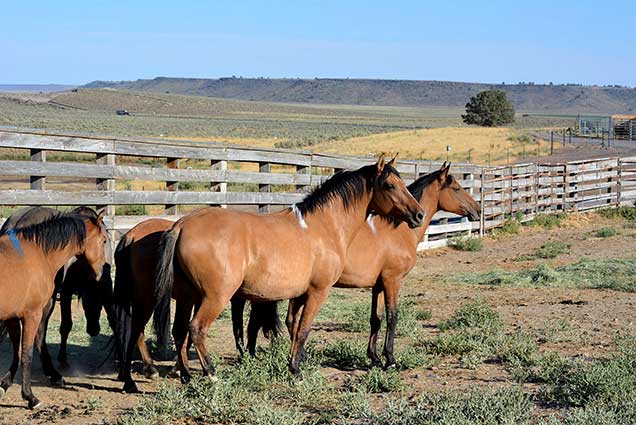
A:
{"x":15,"y":242}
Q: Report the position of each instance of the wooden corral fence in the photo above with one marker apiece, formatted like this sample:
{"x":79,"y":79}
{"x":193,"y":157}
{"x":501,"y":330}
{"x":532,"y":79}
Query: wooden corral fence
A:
{"x":69,"y":170}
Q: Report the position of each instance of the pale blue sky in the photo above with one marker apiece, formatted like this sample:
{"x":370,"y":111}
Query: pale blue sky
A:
{"x":72,"y":41}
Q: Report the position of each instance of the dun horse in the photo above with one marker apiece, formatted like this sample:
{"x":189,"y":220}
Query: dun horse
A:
{"x":73,"y":279}
{"x":31,"y":257}
{"x":383,"y":268}
{"x":214,"y":254}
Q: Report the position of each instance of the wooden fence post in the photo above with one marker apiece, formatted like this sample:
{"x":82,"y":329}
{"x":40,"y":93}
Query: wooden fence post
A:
{"x":482,"y":196}
{"x":38,"y":182}
{"x":222,"y":185}
{"x":303,"y":170}
{"x":619,"y":173}
{"x":264,"y":167}
{"x":106,"y":184}
{"x":172,"y":186}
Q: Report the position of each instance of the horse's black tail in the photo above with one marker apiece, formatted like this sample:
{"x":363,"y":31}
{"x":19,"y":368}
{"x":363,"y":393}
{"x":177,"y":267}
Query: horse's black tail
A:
{"x":3,"y":331}
{"x":264,"y":315}
{"x":161,"y":322}
{"x":165,"y":267}
{"x":121,"y":308}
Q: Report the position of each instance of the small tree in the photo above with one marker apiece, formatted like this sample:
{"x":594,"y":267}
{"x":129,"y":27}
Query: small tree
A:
{"x":489,"y":108}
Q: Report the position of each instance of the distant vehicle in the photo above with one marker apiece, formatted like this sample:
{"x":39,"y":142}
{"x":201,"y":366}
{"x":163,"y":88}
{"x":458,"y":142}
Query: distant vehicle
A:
{"x":122,"y":112}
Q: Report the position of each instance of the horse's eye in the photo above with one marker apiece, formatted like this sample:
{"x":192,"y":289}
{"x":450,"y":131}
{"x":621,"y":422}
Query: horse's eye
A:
{"x":389,"y":186}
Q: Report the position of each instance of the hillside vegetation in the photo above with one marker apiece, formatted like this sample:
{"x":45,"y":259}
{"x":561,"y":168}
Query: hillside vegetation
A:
{"x":572,"y":99}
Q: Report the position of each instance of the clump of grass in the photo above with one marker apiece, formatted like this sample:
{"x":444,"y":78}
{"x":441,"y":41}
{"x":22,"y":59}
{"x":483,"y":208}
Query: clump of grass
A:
{"x":628,"y":213}
{"x":345,"y":355}
{"x":473,"y":314}
{"x":413,"y":358}
{"x":603,"y":232}
{"x":616,"y":273}
{"x":379,"y":381}
{"x":548,"y":221}
{"x":548,"y":250}
{"x":476,"y":407}
{"x":466,"y":243}
{"x":511,"y":226}
{"x":356,"y":317}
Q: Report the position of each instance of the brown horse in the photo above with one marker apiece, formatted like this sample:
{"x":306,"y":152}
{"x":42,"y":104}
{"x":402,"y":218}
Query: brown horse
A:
{"x":136,"y":259}
{"x":73,"y":279}
{"x":31,"y":257}
{"x":214,"y":254}
{"x":383,"y":269}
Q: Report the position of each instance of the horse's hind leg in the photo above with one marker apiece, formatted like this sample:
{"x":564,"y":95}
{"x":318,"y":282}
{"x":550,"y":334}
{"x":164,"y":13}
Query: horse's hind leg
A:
{"x":13,"y":328}
{"x":182,"y":314}
{"x":238,"y":306}
{"x":66,"y":324}
{"x":149,"y":369}
{"x":29,"y":328}
{"x":377,"y":307}
{"x":140,"y":316}
{"x":211,"y":306}
{"x":40,"y":342}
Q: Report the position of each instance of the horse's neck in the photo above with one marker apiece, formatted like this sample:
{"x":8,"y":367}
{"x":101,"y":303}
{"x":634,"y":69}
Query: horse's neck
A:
{"x":58,"y":258}
{"x":430,"y":204}
{"x":344,"y":223}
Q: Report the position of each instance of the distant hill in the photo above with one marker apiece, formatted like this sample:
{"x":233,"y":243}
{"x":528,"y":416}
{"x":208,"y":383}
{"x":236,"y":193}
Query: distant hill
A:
{"x":31,"y":88}
{"x":526,"y":97}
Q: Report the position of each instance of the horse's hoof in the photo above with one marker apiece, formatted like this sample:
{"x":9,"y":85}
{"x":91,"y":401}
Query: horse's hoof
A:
{"x":390,"y":366}
{"x":35,"y":404}
{"x":3,"y":392}
{"x":130,"y":388}
{"x":151,"y":372}
{"x":185,"y":379}
{"x":174,"y":373}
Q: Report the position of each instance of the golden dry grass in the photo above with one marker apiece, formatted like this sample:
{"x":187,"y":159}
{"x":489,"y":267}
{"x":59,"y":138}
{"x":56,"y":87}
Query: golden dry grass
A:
{"x":468,"y":144}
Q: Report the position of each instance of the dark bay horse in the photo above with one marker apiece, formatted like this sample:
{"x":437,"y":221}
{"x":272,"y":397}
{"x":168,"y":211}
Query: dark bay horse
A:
{"x":214,"y":254}
{"x":136,"y":259}
{"x":383,"y":268}
{"x":31,"y":257}
{"x":75,"y":278}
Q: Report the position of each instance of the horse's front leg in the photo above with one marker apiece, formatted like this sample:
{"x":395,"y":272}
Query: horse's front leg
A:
{"x":315,"y":299}
{"x":66,"y":325}
{"x":377,"y":308}
{"x":391,"y":293}
{"x":40,"y":342}
{"x":13,"y":328}
{"x":238,"y":306}
{"x":30,"y":325}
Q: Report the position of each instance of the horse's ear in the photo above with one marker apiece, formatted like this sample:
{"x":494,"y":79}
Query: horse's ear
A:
{"x":380,"y":164}
{"x":100,"y":217}
{"x":393,"y":160}
{"x":443,"y":172}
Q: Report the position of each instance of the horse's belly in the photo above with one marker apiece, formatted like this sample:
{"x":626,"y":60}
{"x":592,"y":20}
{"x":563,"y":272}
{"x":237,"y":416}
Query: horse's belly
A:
{"x":275,"y":281}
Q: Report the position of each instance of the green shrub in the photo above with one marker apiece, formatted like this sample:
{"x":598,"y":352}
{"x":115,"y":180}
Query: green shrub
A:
{"x":131,"y":210}
{"x":604,"y":232}
{"x":509,"y":227}
{"x":625,"y":212}
{"x":546,"y":251}
{"x":466,"y":243}
{"x":548,"y":221}
{"x":473,"y":314}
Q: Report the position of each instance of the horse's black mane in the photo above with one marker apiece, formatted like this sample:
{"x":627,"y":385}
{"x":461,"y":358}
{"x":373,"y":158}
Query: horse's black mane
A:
{"x":56,"y":232}
{"x":417,"y":187}
{"x":346,"y":185}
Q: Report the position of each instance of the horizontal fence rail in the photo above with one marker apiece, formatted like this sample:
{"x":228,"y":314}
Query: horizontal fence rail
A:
{"x":70,"y":170}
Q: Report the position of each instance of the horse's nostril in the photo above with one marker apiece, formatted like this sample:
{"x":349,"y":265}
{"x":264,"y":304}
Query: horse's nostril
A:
{"x":420,"y":216}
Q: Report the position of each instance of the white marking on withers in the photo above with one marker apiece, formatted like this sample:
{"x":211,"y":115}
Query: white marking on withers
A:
{"x":370,"y":223}
{"x":299,"y":217}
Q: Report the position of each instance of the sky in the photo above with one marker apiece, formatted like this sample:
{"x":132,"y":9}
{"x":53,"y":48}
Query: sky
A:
{"x":75,"y":42}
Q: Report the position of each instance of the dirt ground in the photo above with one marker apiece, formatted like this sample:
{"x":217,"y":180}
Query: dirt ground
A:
{"x":594,"y":317}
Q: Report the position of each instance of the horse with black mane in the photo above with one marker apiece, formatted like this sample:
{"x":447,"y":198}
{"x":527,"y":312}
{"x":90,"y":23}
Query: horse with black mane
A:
{"x":383,"y":268}
{"x":212,"y":255}
{"x":30,"y":257}
{"x":74,"y":278}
